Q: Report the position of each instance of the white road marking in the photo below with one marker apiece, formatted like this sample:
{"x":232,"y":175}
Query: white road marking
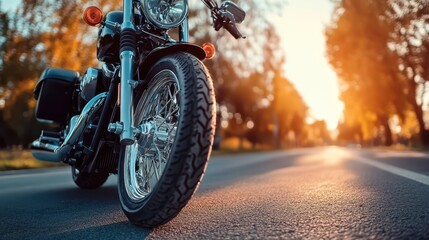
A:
{"x":418,"y":177}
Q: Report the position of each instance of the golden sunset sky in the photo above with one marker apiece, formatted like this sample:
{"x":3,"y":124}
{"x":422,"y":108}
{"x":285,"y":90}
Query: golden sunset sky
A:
{"x":301,"y":26}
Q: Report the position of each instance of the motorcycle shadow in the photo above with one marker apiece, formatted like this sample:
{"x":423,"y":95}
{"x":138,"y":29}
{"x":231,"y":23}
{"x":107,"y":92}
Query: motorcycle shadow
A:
{"x":102,"y":195}
{"x":87,"y":214}
{"x":119,"y":230}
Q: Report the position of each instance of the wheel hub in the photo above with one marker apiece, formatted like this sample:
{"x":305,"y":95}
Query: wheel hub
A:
{"x":157,"y":117}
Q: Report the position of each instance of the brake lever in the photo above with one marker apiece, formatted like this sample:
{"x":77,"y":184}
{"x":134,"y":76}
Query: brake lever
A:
{"x":210,"y":4}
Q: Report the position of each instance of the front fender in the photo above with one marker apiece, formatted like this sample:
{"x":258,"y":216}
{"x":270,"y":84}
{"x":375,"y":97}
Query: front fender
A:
{"x":147,"y":62}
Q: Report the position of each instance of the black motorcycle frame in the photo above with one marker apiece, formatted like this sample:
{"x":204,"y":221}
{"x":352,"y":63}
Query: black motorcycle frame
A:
{"x":129,"y":58}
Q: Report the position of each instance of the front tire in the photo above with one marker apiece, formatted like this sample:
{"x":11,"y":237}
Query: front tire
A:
{"x":160,"y":172}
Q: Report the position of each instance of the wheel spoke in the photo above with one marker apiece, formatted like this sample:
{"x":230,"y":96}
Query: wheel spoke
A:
{"x":158,"y":108}
{"x":155,"y":168}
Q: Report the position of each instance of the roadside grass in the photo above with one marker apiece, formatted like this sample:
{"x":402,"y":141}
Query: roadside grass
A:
{"x":233,"y":146}
{"x":21,"y":159}
{"x":233,"y":151}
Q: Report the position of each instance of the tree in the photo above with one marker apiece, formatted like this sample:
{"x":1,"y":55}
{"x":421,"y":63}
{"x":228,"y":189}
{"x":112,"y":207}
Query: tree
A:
{"x":245,"y":73}
{"x":410,"y":41}
{"x":39,"y":34}
{"x":18,"y":69}
{"x":289,"y":108}
{"x":48,"y":33}
{"x":357,"y":41}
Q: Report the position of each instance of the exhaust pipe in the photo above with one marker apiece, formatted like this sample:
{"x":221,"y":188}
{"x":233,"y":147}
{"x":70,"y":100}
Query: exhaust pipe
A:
{"x":52,"y":153}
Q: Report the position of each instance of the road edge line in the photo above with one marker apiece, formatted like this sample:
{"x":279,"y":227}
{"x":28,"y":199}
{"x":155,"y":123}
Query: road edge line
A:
{"x":418,"y":177}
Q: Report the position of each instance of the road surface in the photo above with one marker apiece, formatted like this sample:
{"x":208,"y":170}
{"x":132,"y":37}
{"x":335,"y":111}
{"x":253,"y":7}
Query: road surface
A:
{"x":320,"y":193}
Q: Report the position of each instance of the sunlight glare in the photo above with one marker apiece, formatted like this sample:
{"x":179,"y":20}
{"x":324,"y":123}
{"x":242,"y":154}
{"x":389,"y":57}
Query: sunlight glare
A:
{"x":302,"y":30}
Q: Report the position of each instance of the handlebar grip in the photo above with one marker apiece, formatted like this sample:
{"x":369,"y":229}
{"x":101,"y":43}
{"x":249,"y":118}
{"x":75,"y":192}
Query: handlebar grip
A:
{"x":231,"y":28}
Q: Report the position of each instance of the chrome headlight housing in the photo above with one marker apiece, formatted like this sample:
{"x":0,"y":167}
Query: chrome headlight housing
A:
{"x":165,"y":14}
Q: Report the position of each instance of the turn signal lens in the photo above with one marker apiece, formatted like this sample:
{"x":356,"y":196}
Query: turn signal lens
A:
{"x":92,"y":16}
{"x":210,"y":50}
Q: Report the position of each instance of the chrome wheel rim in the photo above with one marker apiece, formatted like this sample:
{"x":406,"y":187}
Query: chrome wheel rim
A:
{"x":75,"y":172}
{"x":158,"y":113}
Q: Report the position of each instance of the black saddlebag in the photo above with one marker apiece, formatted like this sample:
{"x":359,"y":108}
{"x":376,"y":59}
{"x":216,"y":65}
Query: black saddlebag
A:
{"x":54,"y":94}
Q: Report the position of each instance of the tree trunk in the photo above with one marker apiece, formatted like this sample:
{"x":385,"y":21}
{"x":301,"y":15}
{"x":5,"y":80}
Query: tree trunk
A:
{"x":241,"y":142}
{"x":424,"y":133}
{"x":388,"y":139}
{"x":276,"y":132}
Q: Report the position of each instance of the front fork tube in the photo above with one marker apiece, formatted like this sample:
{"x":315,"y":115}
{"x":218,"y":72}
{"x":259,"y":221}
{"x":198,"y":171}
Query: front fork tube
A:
{"x":184,"y":31}
{"x":128,"y":47}
{"x":126,"y":103}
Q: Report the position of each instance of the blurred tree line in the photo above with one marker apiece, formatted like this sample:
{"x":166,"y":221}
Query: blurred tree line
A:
{"x":256,"y":102}
{"x":380,"y":52}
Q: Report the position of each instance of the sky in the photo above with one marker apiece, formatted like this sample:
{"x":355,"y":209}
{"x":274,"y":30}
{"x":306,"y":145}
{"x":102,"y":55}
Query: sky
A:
{"x":301,"y":27}
{"x":8,"y":4}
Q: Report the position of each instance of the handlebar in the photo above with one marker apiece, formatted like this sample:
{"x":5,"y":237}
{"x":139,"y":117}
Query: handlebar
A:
{"x":223,"y":18}
{"x":232,"y":28}
{"x":211,"y":4}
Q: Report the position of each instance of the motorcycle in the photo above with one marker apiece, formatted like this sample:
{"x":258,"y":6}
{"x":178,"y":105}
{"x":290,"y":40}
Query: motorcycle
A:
{"x":148,"y":114}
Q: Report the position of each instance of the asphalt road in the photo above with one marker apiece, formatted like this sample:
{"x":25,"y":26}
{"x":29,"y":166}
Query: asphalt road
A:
{"x":321,"y":193}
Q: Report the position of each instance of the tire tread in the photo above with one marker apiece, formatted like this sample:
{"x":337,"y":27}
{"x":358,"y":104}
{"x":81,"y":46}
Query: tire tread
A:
{"x":192,"y":148}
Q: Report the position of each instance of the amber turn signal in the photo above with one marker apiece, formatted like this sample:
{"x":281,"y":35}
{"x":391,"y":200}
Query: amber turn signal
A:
{"x":92,"y":16}
{"x":210,"y":50}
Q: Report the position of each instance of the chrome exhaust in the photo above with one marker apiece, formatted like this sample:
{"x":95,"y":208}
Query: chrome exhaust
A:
{"x":52,"y":153}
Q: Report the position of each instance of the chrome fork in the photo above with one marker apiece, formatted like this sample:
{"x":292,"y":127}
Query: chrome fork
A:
{"x":125,"y":127}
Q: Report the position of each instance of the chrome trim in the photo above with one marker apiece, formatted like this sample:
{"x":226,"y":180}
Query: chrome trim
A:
{"x":46,"y":152}
{"x":88,"y":84}
{"x":89,"y":109}
{"x":159,"y":24}
{"x":141,"y":29}
{"x":107,"y":71}
{"x":72,"y":123}
{"x":126,"y":91}
{"x":157,"y":115}
{"x":115,"y":128}
{"x":48,"y":146}
{"x":126,"y":107}
{"x":184,"y":31}
{"x":128,"y":15}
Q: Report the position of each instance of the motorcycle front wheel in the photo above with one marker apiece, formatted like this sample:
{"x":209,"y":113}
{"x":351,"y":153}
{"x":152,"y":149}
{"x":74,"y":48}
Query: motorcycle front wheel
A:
{"x":159,"y":173}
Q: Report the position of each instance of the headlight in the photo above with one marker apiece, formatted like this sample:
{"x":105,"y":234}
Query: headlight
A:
{"x":165,"y":14}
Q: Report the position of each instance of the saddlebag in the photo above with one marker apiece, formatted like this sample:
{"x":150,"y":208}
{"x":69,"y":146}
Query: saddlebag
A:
{"x":54,"y":94}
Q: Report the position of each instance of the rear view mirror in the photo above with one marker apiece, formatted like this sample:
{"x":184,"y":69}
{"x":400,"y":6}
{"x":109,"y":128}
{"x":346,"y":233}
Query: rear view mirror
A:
{"x":235,"y":10}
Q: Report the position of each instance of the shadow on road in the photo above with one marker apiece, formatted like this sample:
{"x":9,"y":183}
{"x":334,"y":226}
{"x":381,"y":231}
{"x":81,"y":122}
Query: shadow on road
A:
{"x":119,"y":230}
{"x":60,"y":210}
{"x":67,"y":213}
{"x":104,"y":194}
